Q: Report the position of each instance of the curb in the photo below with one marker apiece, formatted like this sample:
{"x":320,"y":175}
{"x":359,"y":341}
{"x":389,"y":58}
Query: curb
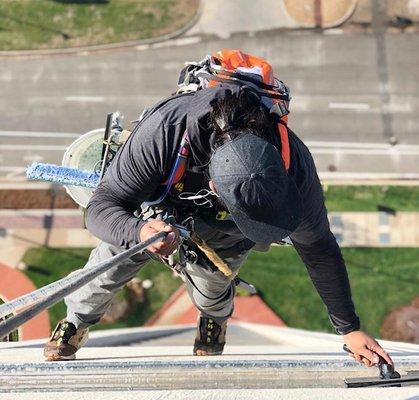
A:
{"x":105,"y":47}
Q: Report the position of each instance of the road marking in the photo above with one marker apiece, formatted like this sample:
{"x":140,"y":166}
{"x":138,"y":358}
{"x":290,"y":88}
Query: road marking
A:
{"x":33,"y":212}
{"x":361,"y":145}
{"x":90,"y":99}
{"x":10,"y":168}
{"x":32,"y":147}
{"x":383,"y":152}
{"x":335,"y":31}
{"x":356,"y":176}
{"x":186,"y":41}
{"x":13,"y":172}
{"x":39,"y":134}
{"x":350,"y":106}
{"x":397,"y":107}
{"x":33,"y":158}
{"x":23,"y":184}
{"x":359,"y":148}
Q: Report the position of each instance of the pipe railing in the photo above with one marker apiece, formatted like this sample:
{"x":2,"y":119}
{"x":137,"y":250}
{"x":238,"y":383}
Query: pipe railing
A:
{"x":47,"y":296}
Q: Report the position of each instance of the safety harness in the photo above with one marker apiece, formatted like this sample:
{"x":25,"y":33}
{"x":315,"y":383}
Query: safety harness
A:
{"x":232,"y":66}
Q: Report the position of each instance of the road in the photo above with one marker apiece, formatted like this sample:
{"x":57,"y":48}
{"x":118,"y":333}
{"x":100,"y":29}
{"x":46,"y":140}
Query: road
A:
{"x":353,"y":94}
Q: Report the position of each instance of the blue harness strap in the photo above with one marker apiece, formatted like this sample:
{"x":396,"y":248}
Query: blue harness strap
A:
{"x":178,"y":169}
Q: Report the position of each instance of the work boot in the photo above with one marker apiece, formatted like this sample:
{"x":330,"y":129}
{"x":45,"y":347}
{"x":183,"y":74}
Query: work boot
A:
{"x":65,"y":340}
{"x":210,"y":337}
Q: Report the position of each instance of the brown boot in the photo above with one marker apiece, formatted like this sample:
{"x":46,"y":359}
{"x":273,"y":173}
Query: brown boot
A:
{"x":210,"y":337}
{"x":65,"y":340}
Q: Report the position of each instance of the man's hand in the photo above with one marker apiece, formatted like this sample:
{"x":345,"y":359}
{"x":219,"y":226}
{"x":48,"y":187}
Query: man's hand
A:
{"x":365,"y":348}
{"x":166,"y":246}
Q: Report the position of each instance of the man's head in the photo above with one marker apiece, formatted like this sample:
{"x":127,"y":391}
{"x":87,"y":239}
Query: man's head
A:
{"x":247,"y":171}
{"x":241,"y":112}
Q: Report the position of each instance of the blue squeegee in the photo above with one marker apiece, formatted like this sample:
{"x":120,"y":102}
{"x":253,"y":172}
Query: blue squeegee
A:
{"x":62,"y":175}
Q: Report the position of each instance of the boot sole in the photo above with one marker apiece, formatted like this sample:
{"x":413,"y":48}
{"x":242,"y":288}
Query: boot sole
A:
{"x":203,"y":353}
{"x":57,"y":357}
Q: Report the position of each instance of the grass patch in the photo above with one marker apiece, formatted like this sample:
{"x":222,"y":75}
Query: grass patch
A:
{"x":47,"y":24}
{"x":381,"y":279}
{"x":48,"y":265}
{"x":371,"y":198}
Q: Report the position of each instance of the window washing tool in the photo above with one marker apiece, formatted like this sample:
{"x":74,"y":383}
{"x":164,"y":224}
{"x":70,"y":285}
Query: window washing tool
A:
{"x":47,"y":296}
{"x":62,"y":175}
{"x":387,"y":376}
{"x":85,"y":160}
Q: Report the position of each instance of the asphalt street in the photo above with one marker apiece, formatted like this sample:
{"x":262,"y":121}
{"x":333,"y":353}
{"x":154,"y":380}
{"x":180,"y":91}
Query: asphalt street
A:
{"x":353,"y":94}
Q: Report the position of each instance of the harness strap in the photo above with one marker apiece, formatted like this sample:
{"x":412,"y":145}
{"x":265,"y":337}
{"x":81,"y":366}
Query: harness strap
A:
{"x":285,"y":143}
{"x":229,"y":78}
{"x":178,"y":169}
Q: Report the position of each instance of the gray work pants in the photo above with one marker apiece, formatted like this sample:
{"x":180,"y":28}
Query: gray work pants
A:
{"x":211,"y":291}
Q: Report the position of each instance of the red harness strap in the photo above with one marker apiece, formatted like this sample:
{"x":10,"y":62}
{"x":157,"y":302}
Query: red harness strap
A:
{"x":179,"y":166}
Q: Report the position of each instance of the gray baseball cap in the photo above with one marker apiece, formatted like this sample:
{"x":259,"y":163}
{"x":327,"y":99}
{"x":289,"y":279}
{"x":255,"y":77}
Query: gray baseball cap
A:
{"x":251,"y":180}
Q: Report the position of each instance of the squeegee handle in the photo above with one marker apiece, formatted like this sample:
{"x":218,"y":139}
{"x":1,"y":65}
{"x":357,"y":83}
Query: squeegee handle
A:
{"x":381,"y":359}
{"x":386,"y":370}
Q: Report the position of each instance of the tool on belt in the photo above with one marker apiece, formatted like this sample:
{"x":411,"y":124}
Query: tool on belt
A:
{"x":186,"y":252}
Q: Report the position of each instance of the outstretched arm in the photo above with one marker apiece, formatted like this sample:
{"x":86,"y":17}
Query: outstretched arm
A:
{"x":321,"y":254}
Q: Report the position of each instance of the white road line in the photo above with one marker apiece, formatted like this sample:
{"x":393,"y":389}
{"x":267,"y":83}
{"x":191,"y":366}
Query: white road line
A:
{"x":23,"y":184}
{"x":366,"y":175}
{"x":91,"y":99}
{"x":350,"y":106}
{"x":335,"y":31}
{"x":383,"y":152}
{"x":30,"y":212}
{"x":39,"y":134}
{"x":360,"y":145}
{"x":32,"y":147}
{"x":10,"y":169}
{"x":186,"y":41}
{"x":32,"y":158}
{"x":14,"y":172}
